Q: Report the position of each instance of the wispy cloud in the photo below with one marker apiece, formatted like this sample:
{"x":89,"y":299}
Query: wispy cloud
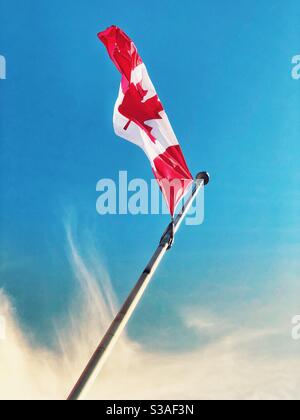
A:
{"x":227,"y":368}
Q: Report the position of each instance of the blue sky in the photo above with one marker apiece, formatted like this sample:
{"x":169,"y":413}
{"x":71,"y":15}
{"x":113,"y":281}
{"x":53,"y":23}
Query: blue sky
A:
{"x":223,"y":73}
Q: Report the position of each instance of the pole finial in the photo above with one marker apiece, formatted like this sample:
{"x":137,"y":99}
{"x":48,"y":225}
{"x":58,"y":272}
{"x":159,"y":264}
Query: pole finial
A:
{"x":205,"y":176}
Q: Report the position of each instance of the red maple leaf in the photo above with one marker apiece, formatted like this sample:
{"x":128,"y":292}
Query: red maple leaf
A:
{"x":138,"y":111}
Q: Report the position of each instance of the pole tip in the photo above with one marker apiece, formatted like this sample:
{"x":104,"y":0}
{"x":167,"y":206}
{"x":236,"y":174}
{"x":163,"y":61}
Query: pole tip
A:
{"x":205,"y":176}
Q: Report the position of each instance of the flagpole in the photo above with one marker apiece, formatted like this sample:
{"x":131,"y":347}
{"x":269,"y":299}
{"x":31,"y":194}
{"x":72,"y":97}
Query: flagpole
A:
{"x":106,"y":345}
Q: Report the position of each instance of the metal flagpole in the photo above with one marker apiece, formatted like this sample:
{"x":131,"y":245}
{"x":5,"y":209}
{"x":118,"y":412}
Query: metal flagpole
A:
{"x":102,"y":352}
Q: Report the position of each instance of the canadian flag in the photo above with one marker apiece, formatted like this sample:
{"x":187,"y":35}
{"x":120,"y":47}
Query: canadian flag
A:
{"x":139,"y":117}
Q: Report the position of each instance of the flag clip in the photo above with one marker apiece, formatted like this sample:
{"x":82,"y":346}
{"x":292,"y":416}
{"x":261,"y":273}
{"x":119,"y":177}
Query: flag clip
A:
{"x":168,"y":236}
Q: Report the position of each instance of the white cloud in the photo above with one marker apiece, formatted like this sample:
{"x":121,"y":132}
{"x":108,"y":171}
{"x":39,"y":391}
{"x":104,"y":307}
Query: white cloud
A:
{"x":229,"y":367}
